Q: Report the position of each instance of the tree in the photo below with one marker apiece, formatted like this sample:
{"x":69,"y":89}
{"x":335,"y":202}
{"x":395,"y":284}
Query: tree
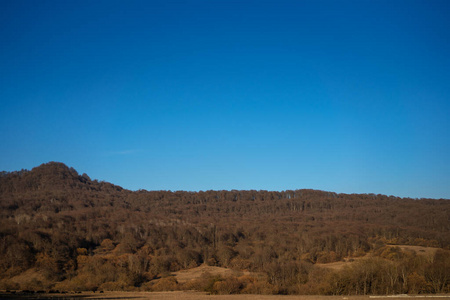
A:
{"x":438,"y":272}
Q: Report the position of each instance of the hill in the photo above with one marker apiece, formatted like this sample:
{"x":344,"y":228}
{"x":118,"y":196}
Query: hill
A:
{"x":72,"y":232}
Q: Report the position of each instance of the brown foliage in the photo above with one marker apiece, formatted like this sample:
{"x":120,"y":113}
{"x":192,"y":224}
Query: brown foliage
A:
{"x":90,"y":235}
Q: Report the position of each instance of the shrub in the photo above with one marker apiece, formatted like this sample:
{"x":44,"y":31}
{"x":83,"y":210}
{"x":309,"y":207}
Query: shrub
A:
{"x":230,"y":285}
{"x":165,"y":284}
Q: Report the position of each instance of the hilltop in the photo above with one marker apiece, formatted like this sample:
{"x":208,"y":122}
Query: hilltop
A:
{"x":66,"y":231}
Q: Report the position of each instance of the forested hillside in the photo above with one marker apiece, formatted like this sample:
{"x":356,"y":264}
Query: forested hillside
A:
{"x":62,"y":230}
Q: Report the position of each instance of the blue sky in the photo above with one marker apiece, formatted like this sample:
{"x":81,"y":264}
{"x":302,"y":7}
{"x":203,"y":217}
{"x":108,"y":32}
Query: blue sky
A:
{"x":344,"y":96}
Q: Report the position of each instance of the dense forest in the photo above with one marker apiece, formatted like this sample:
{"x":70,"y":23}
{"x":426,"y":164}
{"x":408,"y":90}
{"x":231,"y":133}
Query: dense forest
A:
{"x":60,"y":230}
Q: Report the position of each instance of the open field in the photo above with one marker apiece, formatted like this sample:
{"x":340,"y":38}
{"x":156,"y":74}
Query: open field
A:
{"x":188,"y":295}
{"x":195,"y":273}
{"x":427,"y":252}
{"x":419,"y":250}
{"x":339,"y":265}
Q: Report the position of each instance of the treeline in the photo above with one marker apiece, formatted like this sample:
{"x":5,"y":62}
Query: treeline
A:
{"x":62,"y":230}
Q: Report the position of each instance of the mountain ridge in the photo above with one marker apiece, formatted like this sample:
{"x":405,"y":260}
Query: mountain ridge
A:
{"x":55,"y":172}
{"x":75,"y":233}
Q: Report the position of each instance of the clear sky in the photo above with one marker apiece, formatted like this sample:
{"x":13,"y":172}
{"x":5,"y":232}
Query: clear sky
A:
{"x":343,"y":96}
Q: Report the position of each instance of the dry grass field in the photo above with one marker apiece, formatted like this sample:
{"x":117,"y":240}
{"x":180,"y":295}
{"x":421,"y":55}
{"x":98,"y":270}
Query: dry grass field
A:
{"x":195,"y":273}
{"x":339,"y":265}
{"x":419,"y":250}
{"x":190,"y":295}
{"x":197,"y":295}
{"x":428,"y":252}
